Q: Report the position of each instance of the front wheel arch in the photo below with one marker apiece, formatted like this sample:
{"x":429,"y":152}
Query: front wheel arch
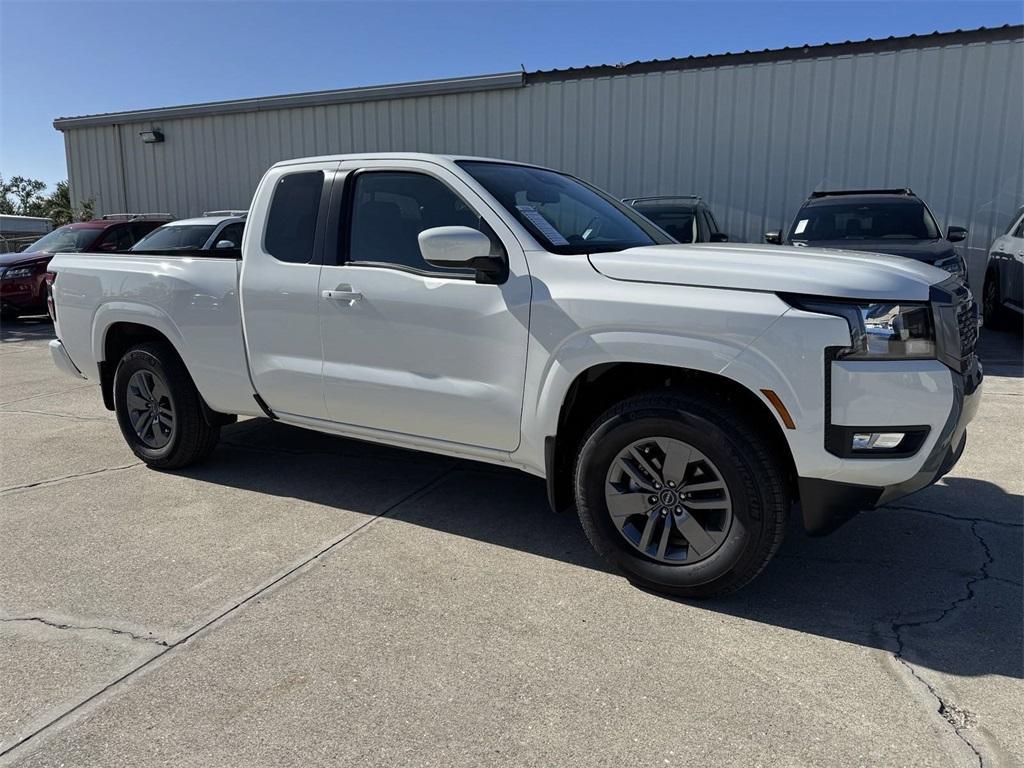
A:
{"x":600,"y":387}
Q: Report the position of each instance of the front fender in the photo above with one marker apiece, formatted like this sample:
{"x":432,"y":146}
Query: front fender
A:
{"x":699,"y":346}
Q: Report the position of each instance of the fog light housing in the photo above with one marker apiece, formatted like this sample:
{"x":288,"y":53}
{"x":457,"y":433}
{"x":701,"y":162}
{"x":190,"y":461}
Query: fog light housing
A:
{"x":880,"y":441}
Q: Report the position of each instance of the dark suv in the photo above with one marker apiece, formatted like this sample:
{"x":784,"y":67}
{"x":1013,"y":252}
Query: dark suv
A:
{"x":892,"y":221}
{"x":22,"y":275}
{"x":686,"y":218}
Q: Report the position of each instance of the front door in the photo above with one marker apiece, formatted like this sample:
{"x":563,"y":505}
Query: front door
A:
{"x":411,"y":348}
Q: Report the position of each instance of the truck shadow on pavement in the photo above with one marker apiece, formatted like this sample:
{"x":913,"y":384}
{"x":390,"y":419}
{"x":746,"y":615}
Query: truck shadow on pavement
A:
{"x":940,"y":587}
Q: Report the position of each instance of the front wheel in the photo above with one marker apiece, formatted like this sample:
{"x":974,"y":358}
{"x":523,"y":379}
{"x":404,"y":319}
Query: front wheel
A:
{"x":994,"y":313}
{"x":680,"y":495}
{"x":159,"y":409}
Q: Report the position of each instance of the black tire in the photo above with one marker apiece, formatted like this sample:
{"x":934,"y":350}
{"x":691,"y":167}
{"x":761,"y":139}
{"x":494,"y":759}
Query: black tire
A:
{"x":191,"y":439}
{"x":996,"y":316}
{"x":743,"y":458}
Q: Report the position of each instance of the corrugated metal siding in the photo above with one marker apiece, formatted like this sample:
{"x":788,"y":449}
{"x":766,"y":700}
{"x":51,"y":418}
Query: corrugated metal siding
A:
{"x":754,"y":139}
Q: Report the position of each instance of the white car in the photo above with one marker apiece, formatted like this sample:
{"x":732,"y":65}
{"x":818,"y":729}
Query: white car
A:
{"x":214,"y":230}
{"x":683,"y":397}
{"x":1003,"y":294}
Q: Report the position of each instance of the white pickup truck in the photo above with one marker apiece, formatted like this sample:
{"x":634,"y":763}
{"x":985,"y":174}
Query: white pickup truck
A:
{"x":683,"y":397}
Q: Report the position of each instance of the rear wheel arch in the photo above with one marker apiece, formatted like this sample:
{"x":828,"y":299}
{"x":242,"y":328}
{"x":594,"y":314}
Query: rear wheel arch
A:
{"x":600,"y":387}
{"x":118,"y":338}
{"x":121,"y":336}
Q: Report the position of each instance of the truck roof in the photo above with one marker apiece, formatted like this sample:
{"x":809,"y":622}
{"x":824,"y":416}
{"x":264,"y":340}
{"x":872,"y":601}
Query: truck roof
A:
{"x":425,"y":156}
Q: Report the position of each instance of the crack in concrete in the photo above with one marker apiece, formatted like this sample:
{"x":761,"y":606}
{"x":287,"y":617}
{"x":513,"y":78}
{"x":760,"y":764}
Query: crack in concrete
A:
{"x":957,"y":518}
{"x":959,"y":718}
{"x":45,"y":394}
{"x":83,"y":628}
{"x":170,"y":646}
{"x":64,"y":478}
{"x":58,"y":415}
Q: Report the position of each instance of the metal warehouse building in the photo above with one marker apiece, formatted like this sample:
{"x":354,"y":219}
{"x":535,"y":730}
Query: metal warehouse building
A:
{"x":753,"y":133}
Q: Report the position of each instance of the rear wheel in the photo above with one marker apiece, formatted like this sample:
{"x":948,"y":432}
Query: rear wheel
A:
{"x":680,"y":495}
{"x":159,"y":409}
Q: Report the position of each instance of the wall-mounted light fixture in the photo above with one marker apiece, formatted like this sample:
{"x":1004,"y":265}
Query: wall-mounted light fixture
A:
{"x":152,"y":137}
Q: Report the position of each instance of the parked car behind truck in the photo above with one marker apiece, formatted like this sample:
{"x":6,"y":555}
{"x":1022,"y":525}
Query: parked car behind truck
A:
{"x":23,"y":275}
{"x":682,"y":397}
{"x":1003,"y":297}
{"x":213,"y":231}
{"x":687,"y":218}
{"x":892,"y":221}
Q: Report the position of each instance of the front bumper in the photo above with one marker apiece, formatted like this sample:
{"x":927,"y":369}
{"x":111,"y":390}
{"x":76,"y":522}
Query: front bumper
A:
{"x":827,"y":504}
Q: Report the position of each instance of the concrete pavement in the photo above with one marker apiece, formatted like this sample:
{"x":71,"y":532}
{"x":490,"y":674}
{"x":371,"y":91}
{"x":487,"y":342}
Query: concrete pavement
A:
{"x":302,"y":599}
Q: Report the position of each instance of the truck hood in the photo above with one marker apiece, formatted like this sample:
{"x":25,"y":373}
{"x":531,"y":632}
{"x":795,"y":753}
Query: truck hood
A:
{"x":779,"y":269}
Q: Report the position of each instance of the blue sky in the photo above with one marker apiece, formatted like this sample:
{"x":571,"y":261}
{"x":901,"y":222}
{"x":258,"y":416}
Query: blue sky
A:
{"x":59,"y":59}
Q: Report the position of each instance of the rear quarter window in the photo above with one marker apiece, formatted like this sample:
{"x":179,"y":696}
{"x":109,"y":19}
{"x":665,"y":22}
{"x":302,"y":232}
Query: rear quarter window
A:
{"x":291,"y":222}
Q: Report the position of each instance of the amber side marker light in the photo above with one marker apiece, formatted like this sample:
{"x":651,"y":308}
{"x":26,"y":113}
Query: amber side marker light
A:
{"x":776,"y":401}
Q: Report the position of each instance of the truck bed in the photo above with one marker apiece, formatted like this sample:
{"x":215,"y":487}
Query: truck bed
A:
{"x":193,"y":302}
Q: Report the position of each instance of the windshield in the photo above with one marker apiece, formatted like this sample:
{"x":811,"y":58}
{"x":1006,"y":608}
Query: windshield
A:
{"x":65,"y":240}
{"x":679,"y":222}
{"x":865,"y":221}
{"x":563,"y":213}
{"x":176,"y":237}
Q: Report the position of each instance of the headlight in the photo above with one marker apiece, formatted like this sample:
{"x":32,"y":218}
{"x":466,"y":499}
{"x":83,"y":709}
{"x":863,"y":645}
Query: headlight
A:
{"x":880,"y":331}
{"x":900,"y":331}
{"x":954,"y":265}
{"x":14,"y":272}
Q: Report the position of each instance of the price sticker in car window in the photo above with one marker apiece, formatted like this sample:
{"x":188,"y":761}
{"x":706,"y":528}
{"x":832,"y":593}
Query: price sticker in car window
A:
{"x":800,"y":226}
{"x":543,"y":225}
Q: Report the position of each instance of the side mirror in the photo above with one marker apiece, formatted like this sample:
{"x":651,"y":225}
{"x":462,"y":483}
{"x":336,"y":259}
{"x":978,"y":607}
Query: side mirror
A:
{"x":774,"y":237}
{"x":221,"y":244}
{"x":956,"y":234}
{"x":463,"y":248}
{"x":719,"y":237}
{"x":107,"y":247}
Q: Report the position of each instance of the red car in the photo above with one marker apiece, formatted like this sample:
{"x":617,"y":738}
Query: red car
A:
{"x":23,"y":275}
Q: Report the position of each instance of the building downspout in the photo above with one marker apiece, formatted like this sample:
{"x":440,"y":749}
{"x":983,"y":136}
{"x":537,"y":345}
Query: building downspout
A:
{"x":124,"y":176}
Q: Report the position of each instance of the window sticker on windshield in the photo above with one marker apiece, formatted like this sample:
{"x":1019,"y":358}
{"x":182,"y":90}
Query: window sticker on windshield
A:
{"x":800,"y":226}
{"x":542,"y":225}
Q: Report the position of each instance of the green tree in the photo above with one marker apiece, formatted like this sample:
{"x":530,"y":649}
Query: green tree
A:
{"x":58,"y":206}
{"x":25,"y":193}
{"x":22,"y":197}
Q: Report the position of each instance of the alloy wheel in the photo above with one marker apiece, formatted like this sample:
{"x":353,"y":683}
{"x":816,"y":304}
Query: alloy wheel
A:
{"x":150,"y":409}
{"x":668,"y":500}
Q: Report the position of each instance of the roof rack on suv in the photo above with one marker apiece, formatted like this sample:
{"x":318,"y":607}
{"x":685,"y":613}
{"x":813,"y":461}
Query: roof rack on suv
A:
{"x":635,"y":200}
{"x":837,"y":192}
{"x":135,"y":216}
{"x":228,"y":212}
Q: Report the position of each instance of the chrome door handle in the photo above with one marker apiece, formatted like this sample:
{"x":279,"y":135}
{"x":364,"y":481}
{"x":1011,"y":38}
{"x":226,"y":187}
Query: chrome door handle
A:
{"x":343,"y":293}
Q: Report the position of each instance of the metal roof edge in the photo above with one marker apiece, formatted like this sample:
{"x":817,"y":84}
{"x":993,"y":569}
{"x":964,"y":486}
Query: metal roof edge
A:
{"x":309,"y":99}
{"x":1007,"y":32}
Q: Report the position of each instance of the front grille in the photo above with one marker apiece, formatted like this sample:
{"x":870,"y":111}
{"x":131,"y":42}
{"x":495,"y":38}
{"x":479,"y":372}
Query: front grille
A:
{"x":956,"y":323}
{"x":967,"y":324}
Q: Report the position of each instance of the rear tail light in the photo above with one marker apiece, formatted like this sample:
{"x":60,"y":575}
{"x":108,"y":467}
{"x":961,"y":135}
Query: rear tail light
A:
{"x":51,"y":308}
